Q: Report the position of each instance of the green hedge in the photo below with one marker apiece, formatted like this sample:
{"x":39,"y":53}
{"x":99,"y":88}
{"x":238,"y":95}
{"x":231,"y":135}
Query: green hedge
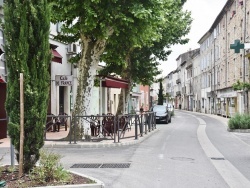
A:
{"x":239,"y":121}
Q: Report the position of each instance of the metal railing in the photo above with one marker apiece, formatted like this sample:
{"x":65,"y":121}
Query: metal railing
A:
{"x":100,"y":127}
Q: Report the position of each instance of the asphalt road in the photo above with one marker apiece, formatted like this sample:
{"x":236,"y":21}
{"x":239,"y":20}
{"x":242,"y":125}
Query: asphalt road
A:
{"x":194,"y":150}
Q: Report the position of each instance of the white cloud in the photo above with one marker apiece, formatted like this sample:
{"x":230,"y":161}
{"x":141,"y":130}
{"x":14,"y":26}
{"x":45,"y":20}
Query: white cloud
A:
{"x":204,"y":13}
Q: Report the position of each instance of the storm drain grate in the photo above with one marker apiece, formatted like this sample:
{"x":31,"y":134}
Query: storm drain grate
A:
{"x":115,"y":165}
{"x":103,"y":165}
{"x":87,"y":165}
{"x":217,"y":158}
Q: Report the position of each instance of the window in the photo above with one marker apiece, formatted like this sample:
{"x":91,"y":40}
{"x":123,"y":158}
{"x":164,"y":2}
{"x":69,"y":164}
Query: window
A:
{"x":215,"y":33}
{"x":1,"y":37}
{"x":246,"y":66}
{"x":208,"y":81}
{"x":216,"y":80}
{"x":58,"y":27}
{"x":235,"y":68}
{"x":115,"y":102}
{"x":247,"y":24}
{"x":142,"y":98}
{"x":241,"y":65}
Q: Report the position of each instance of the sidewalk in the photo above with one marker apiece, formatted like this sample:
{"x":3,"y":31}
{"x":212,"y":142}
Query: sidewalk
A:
{"x":242,"y":135}
{"x":220,"y":118}
{"x":54,"y":140}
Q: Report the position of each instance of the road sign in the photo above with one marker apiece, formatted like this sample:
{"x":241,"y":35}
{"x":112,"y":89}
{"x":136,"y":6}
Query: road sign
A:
{"x":64,"y":80}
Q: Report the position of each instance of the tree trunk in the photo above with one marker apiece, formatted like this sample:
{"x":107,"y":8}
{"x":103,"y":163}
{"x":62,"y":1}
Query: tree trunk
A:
{"x":90,"y":55}
{"x":126,"y":75}
{"x":87,"y":70}
{"x":120,"y":103}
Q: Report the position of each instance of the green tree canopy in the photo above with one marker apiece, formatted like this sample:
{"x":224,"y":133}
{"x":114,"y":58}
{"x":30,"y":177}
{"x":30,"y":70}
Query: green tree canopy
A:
{"x":135,"y":54}
{"x":145,"y":51}
{"x":92,"y":23}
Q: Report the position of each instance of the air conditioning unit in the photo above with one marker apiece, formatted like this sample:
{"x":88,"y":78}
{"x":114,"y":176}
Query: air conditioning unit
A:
{"x":72,"y":48}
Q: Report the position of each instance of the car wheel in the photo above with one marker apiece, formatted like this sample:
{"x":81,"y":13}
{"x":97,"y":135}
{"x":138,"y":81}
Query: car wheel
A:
{"x":169,"y":120}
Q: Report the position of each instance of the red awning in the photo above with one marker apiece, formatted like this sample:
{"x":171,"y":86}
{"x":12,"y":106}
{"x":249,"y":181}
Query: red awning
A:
{"x":56,"y":56}
{"x":2,"y":80}
{"x":113,"y":82}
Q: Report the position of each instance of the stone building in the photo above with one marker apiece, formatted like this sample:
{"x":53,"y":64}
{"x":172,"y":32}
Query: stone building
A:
{"x":225,"y":66}
{"x":216,"y":68}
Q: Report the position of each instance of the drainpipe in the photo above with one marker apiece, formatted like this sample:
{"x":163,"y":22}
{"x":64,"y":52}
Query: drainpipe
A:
{"x":226,"y":67}
{"x":226,"y":36}
{"x":214,"y":94}
{"x":244,"y":62}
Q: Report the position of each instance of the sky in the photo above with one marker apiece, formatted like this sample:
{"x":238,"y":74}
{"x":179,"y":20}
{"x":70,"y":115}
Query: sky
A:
{"x":203,"y":13}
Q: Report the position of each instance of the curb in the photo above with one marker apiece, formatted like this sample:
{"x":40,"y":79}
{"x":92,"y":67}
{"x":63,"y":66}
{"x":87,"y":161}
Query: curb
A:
{"x":64,"y":144}
{"x":239,"y":130}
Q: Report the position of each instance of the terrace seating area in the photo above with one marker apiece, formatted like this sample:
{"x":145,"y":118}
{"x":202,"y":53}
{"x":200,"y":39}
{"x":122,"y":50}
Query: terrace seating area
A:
{"x":54,"y":123}
{"x":109,"y":125}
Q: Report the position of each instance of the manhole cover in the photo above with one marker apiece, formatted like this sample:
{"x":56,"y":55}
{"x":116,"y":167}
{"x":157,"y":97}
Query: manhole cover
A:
{"x":101,"y":165}
{"x":217,"y":158}
{"x":182,"y":159}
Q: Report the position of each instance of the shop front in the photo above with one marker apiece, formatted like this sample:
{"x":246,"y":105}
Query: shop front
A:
{"x":227,"y":103}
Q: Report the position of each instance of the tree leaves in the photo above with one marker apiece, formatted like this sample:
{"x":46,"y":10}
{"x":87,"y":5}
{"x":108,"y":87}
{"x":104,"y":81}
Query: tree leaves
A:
{"x":241,"y":86}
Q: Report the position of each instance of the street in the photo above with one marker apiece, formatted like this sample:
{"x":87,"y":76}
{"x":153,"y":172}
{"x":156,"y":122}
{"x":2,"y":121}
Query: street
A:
{"x":195,"y":150}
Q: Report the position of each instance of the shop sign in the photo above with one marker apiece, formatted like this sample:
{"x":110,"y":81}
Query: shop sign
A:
{"x":64,"y":80}
{"x":227,"y":95}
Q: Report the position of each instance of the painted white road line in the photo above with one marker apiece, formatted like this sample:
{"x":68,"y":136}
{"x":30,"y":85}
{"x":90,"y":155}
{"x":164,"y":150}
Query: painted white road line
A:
{"x":161,"y":156}
{"x":230,"y":174}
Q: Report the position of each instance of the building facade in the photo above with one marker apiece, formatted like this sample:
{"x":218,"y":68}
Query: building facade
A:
{"x":211,"y":73}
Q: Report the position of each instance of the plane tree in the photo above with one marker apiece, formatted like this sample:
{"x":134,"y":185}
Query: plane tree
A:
{"x":92,"y":23}
{"x":135,"y":56}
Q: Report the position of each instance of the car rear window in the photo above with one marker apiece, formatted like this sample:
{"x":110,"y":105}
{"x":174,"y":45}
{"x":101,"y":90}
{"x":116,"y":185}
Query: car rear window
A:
{"x":159,"y":109}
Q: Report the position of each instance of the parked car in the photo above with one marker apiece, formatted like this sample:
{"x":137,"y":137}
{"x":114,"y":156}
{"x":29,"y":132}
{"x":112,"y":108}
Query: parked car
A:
{"x":171,"y":109}
{"x":162,"y":113}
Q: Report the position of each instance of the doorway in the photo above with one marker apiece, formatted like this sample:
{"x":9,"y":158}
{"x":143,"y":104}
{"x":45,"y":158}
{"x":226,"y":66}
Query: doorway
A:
{"x":61,"y":99}
{"x":3,"y":117}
